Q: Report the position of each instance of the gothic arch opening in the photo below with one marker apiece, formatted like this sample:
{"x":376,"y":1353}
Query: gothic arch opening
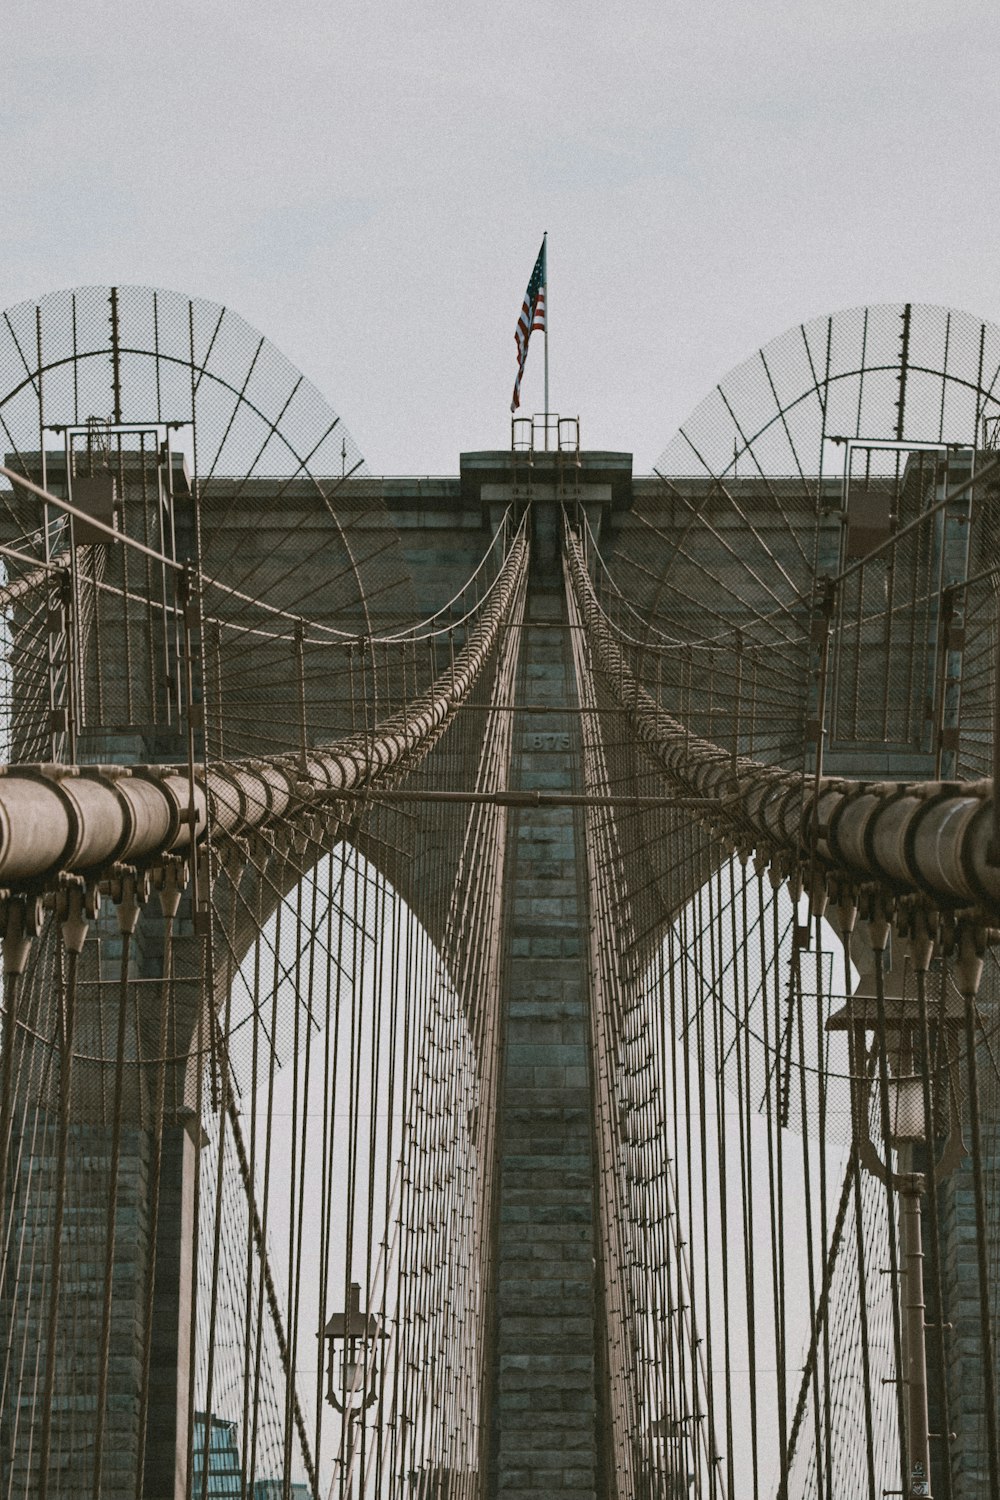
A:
{"x":355,"y":1119}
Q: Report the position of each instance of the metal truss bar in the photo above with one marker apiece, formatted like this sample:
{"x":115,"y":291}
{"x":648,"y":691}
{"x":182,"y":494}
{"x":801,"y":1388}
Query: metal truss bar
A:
{"x":549,"y":709}
{"x":92,"y":521}
{"x":918,"y":521}
{"x":534,"y":797}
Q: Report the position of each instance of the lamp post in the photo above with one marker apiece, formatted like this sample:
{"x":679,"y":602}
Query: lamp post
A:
{"x":916,"y":1110}
{"x":357,"y":1332}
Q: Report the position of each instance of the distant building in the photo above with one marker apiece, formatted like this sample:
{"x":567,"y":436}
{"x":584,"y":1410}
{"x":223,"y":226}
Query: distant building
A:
{"x":220,"y":1456}
{"x":224,"y":1466}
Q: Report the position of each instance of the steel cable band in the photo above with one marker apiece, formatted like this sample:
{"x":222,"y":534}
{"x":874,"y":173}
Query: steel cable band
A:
{"x":930,"y":837}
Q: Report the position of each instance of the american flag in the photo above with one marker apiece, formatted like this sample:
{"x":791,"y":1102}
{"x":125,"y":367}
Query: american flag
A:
{"x":532,"y":317}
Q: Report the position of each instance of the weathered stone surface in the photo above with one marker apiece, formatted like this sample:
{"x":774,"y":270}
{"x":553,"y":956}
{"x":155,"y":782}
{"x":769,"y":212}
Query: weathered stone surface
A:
{"x":546,"y":1327}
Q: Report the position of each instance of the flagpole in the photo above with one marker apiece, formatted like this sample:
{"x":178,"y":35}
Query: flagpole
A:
{"x":545,"y":245}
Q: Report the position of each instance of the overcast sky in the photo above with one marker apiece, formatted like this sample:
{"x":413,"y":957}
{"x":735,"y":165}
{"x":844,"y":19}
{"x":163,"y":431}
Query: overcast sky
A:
{"x":368,"y":184}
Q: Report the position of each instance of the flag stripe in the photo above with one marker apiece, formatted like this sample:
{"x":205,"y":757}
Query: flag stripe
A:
{"x":532,"y":316}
